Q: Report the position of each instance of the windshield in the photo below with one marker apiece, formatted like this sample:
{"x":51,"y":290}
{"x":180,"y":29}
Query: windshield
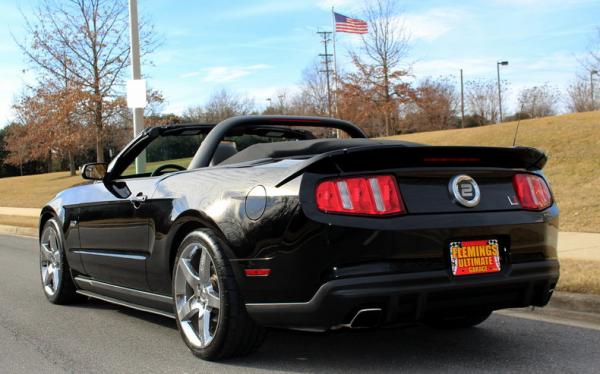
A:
{"x":174,"y":151}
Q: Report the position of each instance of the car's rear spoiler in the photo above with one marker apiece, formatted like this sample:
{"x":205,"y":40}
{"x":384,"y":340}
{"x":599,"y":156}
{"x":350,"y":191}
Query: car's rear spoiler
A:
{"x":381,"y":157}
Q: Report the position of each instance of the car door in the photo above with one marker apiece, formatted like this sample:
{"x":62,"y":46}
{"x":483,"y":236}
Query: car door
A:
{"x":115,"y":233}
{"x":118,"y":216}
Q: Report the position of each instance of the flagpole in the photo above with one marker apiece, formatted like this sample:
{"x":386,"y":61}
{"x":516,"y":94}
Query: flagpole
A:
{"x":335,"y":76}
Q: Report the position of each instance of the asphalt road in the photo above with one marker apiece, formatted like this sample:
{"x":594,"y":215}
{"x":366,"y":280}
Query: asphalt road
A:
{"x":92,"y":337}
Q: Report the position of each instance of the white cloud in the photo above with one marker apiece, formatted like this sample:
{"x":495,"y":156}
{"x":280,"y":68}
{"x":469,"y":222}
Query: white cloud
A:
{"x":256,"y":9}
{"x":543,"y":4}
{"x":221,"y":74}
{"x":341,"y":5}
{"x":433,"y":23}
{"x":444,"y":67}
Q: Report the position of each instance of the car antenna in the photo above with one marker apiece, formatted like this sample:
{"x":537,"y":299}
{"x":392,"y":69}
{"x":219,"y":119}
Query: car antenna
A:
{"x":520,"y":114}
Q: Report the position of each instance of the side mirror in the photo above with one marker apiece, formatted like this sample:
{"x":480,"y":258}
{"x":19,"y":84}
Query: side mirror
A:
{"x":94,"y":171}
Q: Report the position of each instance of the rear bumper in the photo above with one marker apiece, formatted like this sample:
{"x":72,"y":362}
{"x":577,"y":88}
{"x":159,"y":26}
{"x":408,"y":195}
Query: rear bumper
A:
{"x":411,"y":297}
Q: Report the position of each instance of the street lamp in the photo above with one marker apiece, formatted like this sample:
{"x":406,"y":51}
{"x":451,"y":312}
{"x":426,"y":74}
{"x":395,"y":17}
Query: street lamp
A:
{"x":592,"y":72}
{"x":503,"y":63}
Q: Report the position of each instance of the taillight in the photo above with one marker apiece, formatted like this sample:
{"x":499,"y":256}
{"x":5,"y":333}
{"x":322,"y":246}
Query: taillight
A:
{"x":372,"y":195}
{"x":532,"y":191}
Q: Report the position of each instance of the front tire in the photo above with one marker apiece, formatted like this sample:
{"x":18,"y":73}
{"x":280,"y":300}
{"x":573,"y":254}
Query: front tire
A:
{"x":461,"y":321}
{"x":209,"y":310}
{"x":55,"y":273}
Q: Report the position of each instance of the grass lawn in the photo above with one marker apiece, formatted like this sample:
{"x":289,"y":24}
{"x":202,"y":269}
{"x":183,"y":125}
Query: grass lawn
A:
{"x":33,"y":191}
{"x":579,"y":276}
{"x":572,"y":142}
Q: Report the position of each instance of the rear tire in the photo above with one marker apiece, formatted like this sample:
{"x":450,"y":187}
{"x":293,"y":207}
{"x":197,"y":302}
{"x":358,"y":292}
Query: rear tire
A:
{"x":209,"y":310}
{"x":57,"y":283}
{"x":459,"y":321}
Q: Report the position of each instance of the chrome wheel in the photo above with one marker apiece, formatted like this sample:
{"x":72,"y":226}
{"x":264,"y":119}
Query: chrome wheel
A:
{"x":50,"y":260}
{"x":196,"y":293}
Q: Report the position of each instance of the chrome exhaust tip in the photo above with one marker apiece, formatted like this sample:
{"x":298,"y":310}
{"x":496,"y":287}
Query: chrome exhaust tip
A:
{"x":363,"y":319}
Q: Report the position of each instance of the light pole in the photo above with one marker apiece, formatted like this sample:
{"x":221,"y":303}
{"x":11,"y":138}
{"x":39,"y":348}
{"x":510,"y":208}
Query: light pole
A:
{"x":136,"y":71}
{"x":503,"y":63}
{"x":462,"y":100}
{"x":592,"y":72}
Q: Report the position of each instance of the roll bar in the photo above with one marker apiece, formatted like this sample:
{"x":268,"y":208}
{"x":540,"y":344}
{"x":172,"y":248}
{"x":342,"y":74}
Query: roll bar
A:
{"x":207,"y":148}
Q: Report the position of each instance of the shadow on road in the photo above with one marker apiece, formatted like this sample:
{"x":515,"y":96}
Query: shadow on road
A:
{"x":501,"y":343}
{"x":153,"y":318}
{"x":414,"y":347}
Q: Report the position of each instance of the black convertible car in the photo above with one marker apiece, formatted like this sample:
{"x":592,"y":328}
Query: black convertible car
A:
{"x":270,"y":221}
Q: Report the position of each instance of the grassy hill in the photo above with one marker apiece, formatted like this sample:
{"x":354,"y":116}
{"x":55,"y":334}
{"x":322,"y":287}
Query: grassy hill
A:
{"x":572,"y":142}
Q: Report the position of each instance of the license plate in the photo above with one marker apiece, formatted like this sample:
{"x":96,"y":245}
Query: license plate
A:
{"x":475,"y":257}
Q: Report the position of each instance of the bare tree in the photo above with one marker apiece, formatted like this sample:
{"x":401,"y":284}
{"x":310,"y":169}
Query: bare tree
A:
{"x":384,"y":48}
{"x":482,"y":99}
{"x":85,"y":41}
{"x":193,"y":113}
{"x":591,"y":60}
{"x":221,"y":105}
{"x":539,"y":101}
{"x":281,"y":103}
{"x":312,"y":98}
{"x":579,"y":97}
{"x":224,"y":104}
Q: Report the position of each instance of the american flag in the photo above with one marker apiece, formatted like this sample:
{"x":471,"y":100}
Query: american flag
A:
{"x":350,"y":25}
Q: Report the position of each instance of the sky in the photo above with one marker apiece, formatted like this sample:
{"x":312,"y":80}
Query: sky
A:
{"x":259,"y":48}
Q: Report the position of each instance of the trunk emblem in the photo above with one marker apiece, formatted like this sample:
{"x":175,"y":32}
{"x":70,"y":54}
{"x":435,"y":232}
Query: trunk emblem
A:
{"x":464,"y":190}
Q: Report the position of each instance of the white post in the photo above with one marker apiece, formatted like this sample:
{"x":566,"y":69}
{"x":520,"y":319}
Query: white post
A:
{"x":134,"y":52}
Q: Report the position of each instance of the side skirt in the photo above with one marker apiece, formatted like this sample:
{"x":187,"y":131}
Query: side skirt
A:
{"x":127,"y":297}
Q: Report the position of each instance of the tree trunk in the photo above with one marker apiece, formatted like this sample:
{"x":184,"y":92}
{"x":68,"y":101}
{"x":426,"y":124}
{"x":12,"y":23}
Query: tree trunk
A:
{"x":49,"y":162}
{"x":99,"y":134}
{"x":386,"y":87}
{"x":71,"y":164}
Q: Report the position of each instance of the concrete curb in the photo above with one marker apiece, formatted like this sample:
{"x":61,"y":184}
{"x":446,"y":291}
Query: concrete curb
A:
{"x":577,"y":302}
{"x":18,"y":230}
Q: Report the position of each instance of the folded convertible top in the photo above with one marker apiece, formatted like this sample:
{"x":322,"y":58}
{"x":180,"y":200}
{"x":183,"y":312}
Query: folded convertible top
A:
{"x":307,"y":148}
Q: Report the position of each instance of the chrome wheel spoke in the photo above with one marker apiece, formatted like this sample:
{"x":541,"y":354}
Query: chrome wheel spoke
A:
{"x":46,"y":251}
{"x":190,"y":275}
{"x":213,"y":300}
{"x":46,"y":273}
{"x":52,"y":241}
{"x":204,"y":270}
{"x":187,"y":309}
{"x":204,"y":327}
{"x":55,"y":278}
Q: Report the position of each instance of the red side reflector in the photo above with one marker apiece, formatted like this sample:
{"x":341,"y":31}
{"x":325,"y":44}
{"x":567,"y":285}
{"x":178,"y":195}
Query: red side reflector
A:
{"x":372,"y":195}
{"x":257,"y":272}
{"x":532,"y":191}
